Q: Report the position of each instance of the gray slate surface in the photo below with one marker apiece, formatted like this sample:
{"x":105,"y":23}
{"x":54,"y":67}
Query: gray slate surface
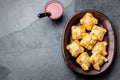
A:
{"x":30,"y":48}
{"x":32,"y":52}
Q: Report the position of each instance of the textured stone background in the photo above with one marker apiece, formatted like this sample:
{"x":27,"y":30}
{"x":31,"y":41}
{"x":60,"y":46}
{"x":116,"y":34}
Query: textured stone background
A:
{"x":30,"y":48}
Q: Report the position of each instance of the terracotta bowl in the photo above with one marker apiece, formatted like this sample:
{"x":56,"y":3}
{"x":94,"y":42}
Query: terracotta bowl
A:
{"x":109,"y":37}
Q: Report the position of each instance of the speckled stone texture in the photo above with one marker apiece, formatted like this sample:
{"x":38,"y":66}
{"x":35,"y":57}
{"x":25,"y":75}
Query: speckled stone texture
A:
{"x":30,"y":48}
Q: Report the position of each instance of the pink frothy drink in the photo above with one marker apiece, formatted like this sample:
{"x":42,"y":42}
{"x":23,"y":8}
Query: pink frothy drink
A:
{"x":55,"y":9}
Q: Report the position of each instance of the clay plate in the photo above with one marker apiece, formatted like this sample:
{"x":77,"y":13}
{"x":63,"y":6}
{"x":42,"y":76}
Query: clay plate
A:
{"x":109,"y":37}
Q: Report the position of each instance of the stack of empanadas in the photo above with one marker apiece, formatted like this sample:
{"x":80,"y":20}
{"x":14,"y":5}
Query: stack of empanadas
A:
{"x":88,"y":36}
{"x":84,"y":61}
{"x":78,"y":32}
{"x":88,"y":41}
{"x":88,"y":21}
{"x":75,"y":48}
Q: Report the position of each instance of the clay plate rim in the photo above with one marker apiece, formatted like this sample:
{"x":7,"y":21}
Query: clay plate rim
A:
{"x":109,"y":36}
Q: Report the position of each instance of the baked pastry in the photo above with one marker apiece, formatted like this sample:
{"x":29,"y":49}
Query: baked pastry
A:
{"x":98,"y":31}
{"x":78,"y":32}
{"x":98,"y":60}
{"x":88,"y":20}
{"x":90,"y":36}
{"x":100,"y":48}
{"x":83,"y":61}
{"x":88,"y":41}
{"x":75,"y":48}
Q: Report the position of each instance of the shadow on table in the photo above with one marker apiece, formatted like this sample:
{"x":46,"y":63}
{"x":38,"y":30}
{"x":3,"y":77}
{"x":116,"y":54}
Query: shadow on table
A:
{"x":4,"y":72}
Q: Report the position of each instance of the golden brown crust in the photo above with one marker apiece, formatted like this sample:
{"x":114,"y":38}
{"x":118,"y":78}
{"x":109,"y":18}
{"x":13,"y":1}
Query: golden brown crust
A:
{"x":88,"y":41}
{"x":88,"y":20}
{"x":75,"y":48}
{"x":100,"y":48}
{"x":83,"y":61}
{"x":98,"y":31}
{"x":78,"y":32}
{"x":98,"y":60}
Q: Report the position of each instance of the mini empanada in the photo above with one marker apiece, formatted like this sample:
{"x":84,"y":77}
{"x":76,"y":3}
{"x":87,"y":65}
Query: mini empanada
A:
{"x":97,"y":60}
{"x":88,"y":20}
{"x":78,"y":32}
{"x":88,"y":41}
{"x":83,"y":61}
{"x":99,"y":32}
{"x":75,"y":48}
{"x":100,"y":47}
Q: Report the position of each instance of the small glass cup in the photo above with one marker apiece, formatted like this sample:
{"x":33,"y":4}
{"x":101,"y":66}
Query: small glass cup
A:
{"x":53,"y":10}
